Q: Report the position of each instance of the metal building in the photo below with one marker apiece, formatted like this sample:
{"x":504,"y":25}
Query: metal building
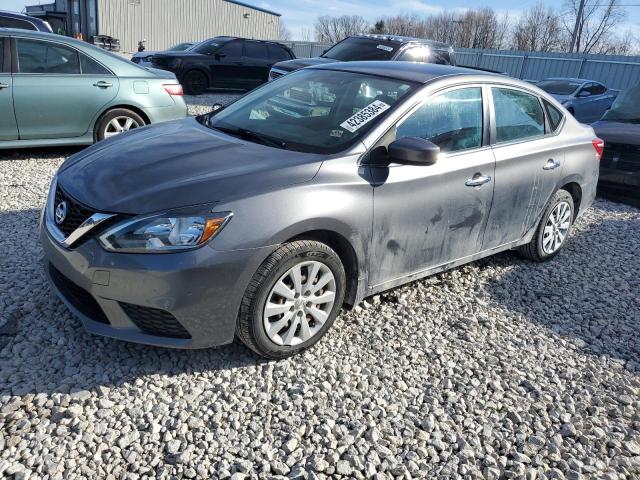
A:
{"x":161,"y":23}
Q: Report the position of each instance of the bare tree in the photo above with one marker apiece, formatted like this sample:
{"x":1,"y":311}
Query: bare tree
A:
{"x":306,"y":34}
{"x":596,"y":24}
{"x":333,"y":29}
{"x":284,"y":33}
{"x":539,"y":29}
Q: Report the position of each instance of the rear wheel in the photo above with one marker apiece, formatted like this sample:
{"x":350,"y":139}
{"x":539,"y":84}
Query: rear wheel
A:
{"x":117,"y":121}
{"x":553,"y":230}
{"x":292,"y":300}
{"x":195,"y":82}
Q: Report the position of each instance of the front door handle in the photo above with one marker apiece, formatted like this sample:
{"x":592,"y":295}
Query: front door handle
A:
{"x":4,"y":85}
{"x":551,"y":164}
{"x":103,"y":84}
{"x":477,"y":180}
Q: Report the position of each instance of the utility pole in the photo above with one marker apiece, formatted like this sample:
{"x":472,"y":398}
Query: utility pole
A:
{"x":574,"y":37}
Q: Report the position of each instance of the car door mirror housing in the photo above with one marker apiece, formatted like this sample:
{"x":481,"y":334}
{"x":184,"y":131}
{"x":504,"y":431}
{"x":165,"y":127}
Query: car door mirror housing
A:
{"x":413,"y":151}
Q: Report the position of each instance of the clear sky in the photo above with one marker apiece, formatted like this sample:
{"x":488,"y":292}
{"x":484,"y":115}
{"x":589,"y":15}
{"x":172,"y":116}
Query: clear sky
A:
{"x":301,"y":14}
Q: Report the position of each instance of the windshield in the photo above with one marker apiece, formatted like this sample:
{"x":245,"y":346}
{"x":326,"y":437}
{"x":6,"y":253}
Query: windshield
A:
{"x":558,"y":87}
{"x":205,"y":48}
{"x":626,"y":107}
{"x":180,"y":47}
{"x":352,"y":49}
{"x":316,"y":111}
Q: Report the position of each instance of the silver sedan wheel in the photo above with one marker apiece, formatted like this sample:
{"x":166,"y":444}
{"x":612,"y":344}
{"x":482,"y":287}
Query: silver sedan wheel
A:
{"x":119,"y":125}
{"x":299,"y":303}
{"x":556,"y":228}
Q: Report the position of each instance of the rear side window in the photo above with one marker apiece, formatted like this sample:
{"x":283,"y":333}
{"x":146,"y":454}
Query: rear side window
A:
{"x":518,"y":115}
{"x":45,"y":57}
{"x":452,"y":120}
{"x":90,"y":67}
{"x":555,"y":116}
{"x":16,"y":23}
{"x":278,"y":54}
{"x":256,"y":50}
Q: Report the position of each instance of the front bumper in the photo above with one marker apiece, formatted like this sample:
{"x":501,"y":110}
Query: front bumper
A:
{"x":152,"y":298}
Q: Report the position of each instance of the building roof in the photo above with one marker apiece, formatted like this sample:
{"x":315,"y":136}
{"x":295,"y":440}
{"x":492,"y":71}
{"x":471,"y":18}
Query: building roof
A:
{"x":270,"y":12}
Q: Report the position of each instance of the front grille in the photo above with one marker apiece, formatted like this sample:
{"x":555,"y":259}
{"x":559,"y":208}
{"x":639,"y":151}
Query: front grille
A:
{"x":76,"y":212}
{"x":154,"y":321}
{"x":620,"y":156}
{"x":77,"y":296}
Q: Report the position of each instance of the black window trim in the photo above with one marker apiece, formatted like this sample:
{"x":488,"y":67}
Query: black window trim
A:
{"x":551,"y":131}
{"x":16,"y":64}
{"x":6,"y":64}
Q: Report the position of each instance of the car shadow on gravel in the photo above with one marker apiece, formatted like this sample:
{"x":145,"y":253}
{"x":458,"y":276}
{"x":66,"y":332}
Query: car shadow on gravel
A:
{"x":39,"y":152}
{"x":588,"y":293}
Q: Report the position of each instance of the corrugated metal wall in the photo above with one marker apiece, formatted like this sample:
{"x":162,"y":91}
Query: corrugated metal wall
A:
{"x":166,"y":22}
{"x":615,"y":71}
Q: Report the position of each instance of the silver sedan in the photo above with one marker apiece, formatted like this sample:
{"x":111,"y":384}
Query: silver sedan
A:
{"x":262,"y":219}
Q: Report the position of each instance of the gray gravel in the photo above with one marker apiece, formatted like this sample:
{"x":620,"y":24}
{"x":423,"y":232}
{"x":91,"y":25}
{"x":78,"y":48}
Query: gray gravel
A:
{"x":499,"y":369}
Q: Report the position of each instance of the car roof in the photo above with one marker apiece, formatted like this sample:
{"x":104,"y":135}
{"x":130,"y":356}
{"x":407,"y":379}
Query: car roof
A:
{"x":43,"y":35}
{"x":407,"y":71}
{"x":226,"y":38}
{"x":571,"y":79}
{"x":403,"y":39}
{"x":21,"y":16}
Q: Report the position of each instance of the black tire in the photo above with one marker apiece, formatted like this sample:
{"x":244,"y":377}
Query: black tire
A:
{"x":104,"y":126}
{"x":534,"y":249}
{"x":250,"y":328}
{"x":195,"y":82}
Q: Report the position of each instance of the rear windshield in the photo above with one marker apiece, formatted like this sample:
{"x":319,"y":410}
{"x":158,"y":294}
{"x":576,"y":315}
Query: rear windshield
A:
{"x":626,"y":107}
{"x":558,"y":87}
{"x":355,"y":49}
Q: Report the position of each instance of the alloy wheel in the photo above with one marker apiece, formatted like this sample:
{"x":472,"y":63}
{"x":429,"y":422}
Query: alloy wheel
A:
{"x":299,"y":303}
{"x":556,"y":228}
{"x":119,"y":125}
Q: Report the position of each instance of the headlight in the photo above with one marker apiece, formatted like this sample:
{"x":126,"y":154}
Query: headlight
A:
{"x":163,"y":233}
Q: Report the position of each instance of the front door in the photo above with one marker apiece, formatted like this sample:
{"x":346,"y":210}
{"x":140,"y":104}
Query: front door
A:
{"x":226,"y":65}
{"x":426,"y":216}
{"x":8,"y":127}
{"x":53,"y":98}
{"x":528,"y":165}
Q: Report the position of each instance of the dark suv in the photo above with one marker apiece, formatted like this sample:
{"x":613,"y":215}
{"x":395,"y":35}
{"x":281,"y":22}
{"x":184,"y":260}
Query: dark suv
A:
{"x":373,"y":47}
{"x":223,"y":62}
{"x":25,"y":22}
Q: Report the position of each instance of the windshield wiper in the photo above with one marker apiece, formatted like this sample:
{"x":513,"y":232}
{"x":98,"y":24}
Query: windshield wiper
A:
{"x":252,"y":136}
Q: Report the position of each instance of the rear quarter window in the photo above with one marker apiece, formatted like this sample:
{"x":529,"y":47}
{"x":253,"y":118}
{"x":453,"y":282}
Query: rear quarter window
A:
{"x":278,"y":54}
{"x":555,"y":116}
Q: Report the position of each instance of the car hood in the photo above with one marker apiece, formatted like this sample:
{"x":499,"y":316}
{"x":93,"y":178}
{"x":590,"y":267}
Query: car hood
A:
{"x":617,"y":132}
{"x":145,"y":54}
{"x":178,"y":164}
{"x":298,"y":63}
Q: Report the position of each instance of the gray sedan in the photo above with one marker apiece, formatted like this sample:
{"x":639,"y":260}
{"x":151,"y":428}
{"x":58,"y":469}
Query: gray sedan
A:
{"x":262,"y":219}
{"x":584,"y":99}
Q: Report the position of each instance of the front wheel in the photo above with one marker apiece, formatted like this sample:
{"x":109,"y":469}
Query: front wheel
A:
{"x":292,"y":300}
{"x":553,"y":229}
{"x":195,"y":82}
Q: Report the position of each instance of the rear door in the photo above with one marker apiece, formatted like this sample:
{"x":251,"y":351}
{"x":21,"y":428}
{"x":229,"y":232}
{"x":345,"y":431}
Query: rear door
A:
{"x":8,"y":126}
{"x":57,"y":90}
{"x":529,"y":159}
{"x":257,"y":62}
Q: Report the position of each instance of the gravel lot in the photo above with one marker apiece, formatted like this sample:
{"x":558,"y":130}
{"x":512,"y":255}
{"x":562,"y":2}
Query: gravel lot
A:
{"x":499,"y":369}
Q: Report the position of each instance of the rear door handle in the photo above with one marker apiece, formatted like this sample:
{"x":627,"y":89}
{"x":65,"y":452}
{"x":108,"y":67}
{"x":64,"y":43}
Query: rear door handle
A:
{"x":477,"y":180}
{"x":4,"y":85}
{"x":103,"y":84}
{"x":551,"y":164}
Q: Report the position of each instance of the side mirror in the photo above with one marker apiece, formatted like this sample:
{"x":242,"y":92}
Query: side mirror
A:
{"x":218,"y":56}
{"x":413,"y":151}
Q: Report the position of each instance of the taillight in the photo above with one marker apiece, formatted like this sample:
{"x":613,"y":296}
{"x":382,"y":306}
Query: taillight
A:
{"x":173,"y":89}
{"x":598,"y":144}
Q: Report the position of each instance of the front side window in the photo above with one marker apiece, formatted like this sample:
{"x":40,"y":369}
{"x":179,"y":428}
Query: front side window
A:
{"x":518,"y":115}
{"x":44,"y":57}
{"x":317,"y":111}
{"x":452,"y":120}
{"x":358,"y":49}
{"x":256,"y":50}
{"x":594,"y":89}
{"x":558,"y":87}
{"x":231,"y":49}
{"x":206,"y":48}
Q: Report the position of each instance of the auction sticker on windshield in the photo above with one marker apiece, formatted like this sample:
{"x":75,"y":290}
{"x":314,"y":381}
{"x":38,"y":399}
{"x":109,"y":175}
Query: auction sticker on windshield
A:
{"x":368,"y":113}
